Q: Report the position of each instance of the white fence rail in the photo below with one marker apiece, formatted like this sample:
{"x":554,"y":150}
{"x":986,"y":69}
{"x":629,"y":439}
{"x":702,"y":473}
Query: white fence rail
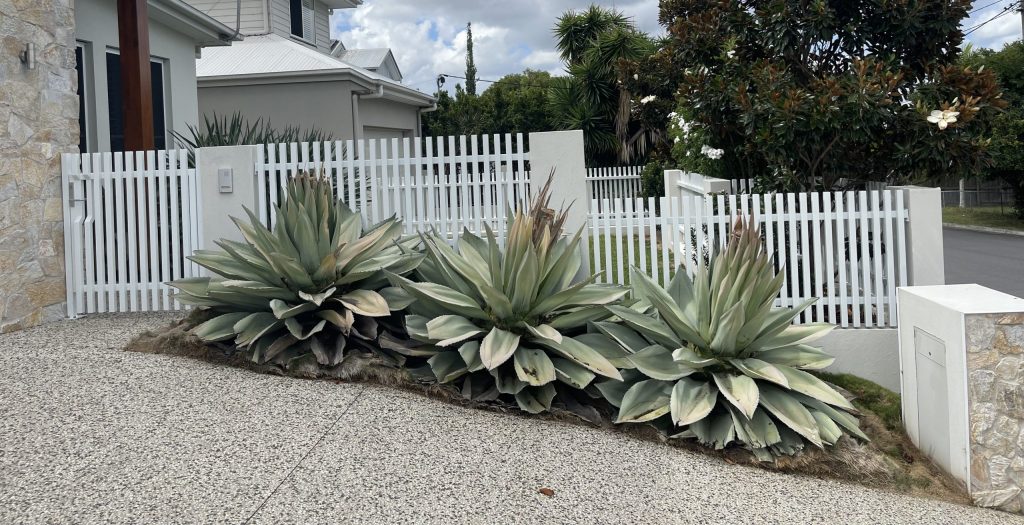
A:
{"x":130,"y":221}
{"x":846,"y":249}
{"x":442,"y":183}
{"x":618,"y":182}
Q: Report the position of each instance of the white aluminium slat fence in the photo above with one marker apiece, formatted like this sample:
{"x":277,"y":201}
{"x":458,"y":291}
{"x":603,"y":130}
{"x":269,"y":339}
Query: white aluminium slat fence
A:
{"x":442,"y":183}
{"x":617,"y":182}
{"x":848,"y":249}
{"x":130,"y":221}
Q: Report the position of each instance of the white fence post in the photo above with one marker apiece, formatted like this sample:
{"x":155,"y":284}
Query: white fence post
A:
{"x":672,"y":183}
{"x":925,"y":265}
{"x":561,"y":151}
{"x":227,"y":184}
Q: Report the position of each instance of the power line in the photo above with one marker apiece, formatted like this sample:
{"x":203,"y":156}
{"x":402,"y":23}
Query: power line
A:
{"x":1005,"y":10}
{"x":986,"y":6}
{"x":445,"y":75}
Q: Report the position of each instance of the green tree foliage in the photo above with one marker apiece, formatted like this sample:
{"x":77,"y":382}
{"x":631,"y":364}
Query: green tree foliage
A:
{"x":804,"y":94}
{"x":516,"y":103}
{"x":470,"y":64}
{"x":595,"y":44}
{"x":1007,"y":135}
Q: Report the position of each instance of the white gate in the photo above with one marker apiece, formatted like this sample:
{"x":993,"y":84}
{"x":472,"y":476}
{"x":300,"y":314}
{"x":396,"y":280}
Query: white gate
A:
{"x":130,"y":221}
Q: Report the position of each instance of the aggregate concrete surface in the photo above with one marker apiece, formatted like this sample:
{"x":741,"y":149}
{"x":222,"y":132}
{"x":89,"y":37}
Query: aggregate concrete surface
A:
{"x":90,"y":433}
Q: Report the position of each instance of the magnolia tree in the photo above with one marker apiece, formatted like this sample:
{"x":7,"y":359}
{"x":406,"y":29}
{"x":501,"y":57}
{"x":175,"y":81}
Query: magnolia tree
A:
{"x":817,"y":95}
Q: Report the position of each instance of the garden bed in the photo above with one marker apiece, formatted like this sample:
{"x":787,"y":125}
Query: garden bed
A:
{"x":889,"y":461}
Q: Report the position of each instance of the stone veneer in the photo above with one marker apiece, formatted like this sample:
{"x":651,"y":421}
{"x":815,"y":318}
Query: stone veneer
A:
{"x":38,"y":122}
{"x":995,"y":373}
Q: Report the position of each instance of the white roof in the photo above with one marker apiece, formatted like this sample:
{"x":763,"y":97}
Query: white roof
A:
{"x":272,"y":55}
{"x":365,"y":58}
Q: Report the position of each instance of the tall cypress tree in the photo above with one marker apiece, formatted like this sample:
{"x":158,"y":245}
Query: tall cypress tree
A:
{"x":470,"y":66}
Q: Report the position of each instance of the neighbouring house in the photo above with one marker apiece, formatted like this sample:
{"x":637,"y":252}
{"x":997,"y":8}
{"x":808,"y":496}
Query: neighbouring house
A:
{"x":60,"y":93}
{"x":178,"y":33}
{"x":288,"y":71}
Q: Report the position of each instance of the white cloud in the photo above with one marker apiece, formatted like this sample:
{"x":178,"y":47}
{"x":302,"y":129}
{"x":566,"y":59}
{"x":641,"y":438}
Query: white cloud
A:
{"x":428,"y":37}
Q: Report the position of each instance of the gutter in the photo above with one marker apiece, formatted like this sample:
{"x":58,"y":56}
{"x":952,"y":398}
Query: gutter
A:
{"x":419,"y":117}
{"x":357,"y":122}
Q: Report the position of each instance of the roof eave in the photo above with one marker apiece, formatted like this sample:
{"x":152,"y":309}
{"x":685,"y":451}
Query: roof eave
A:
{"x":392,"y":91}
{"x":206,"y":30}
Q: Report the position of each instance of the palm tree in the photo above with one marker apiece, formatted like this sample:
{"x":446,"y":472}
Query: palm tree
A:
{"x":593,"y":43}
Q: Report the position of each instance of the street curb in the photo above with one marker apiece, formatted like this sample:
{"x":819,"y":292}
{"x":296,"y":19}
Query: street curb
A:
{"x":983,"y":229}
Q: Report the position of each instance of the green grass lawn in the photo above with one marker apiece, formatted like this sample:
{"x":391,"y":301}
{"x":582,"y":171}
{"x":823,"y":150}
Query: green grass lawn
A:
{"x":990,"y":216}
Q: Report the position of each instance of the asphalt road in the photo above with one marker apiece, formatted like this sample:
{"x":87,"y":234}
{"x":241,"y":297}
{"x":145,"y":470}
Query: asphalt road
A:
{"x":988,"y":259}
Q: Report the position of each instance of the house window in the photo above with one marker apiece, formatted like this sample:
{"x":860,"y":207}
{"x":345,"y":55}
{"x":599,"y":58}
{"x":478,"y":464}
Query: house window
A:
{"x":116,"y":103}
{"x":83,"y":128}
{"x":302,"y":19}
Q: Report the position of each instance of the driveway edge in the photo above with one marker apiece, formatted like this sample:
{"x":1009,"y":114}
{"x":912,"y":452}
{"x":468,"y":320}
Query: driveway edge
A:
{"x":982,"y":229}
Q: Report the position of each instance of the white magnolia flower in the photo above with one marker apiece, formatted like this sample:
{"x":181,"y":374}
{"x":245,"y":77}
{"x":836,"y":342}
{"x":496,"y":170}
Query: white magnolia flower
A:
{"x":672,"y":115}
{"x":711,"y":153}
{"x":943,"y":118}
{"x":731,"y":53}
{"x":677,"y":140}
{"x":648,"y":98}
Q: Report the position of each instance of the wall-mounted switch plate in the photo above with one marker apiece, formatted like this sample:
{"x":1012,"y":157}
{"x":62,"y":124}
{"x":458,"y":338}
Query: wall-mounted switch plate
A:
{"x":225,"y":180}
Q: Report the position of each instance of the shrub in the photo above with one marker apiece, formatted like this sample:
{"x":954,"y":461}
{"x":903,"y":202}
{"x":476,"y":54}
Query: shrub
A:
{"x":221,"y":130}
{"x":716,"y":362}
{"x":308,"y":290}
{"x":511,"y":320}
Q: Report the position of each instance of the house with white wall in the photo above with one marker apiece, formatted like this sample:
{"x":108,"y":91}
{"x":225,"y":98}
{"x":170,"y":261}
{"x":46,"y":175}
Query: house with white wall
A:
{"x":178,"y":33}
{"x":289,"y":71}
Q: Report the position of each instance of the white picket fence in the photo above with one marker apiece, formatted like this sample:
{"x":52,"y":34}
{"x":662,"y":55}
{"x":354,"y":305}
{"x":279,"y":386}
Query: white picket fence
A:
{"x":438,"y":183}
{"x":846,"y":249}
{"x":130,"y":221}
{"x":618,"y":182}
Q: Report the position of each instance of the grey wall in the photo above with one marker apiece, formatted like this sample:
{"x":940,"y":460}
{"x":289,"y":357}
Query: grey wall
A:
{"x":325,"y":105}
{"x":280,"y":22}
{"x":96,"y":27}
{"x":253,"y":15}
{"x":38,"y":122}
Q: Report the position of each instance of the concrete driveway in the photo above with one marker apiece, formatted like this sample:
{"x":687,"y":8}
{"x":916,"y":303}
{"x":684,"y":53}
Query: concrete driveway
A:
{"x":92,"y":434}
{"x":989,"y":259}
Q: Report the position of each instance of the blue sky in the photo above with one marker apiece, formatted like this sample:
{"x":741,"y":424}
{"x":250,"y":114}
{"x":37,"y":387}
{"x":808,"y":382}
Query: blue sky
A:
{"x":428,"y":37}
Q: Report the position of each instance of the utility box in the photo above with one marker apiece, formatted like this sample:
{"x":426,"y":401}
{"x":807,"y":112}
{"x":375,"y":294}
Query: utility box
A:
{"x":962,"y":386}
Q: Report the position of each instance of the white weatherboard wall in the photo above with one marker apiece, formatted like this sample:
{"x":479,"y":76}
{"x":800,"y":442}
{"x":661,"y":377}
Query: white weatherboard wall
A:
{"x":960,"y":349}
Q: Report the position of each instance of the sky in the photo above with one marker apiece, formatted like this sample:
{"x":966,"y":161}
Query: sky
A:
{"x":428,"y":37}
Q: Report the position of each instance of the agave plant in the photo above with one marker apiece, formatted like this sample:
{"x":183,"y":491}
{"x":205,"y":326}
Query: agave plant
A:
{"x":512,"y":320}
{"x":308,"y":290}
{"x":715,"y":361}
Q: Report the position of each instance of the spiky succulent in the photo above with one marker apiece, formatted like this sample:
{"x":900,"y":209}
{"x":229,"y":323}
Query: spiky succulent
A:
{"x":512,"y":319}
{"x":308,"y":290}
{"x":716,"y":362}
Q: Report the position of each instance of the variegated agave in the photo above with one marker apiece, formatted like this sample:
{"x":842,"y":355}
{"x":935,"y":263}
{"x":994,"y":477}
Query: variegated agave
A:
{"x":715,"y":361}
{"x":512,"y":319}
{"x":308,"y":290}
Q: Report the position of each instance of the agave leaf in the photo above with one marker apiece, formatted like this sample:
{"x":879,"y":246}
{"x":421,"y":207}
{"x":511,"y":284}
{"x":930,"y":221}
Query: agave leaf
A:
{"x":536,"y":399}
{"x":667,"y":309}
{"x":692,"y":400}
{"x":544,"y":331}
{"x":470,"y":352}
{"x":787,"y":409}
{"x":278,"y":346}
{"x":416,"y":326}
{"x":447,"y":366}
{"x":409,"y":348}
{"x":397,"y":298}
{"x":689,"y":357}
{"x":680,"y":289}
{"x":448,"y":330}
{"x":300,"y":332}
{"x":812,"y":386}
{"x":441,"y":295}
{"x":533,"y":366}
{"x":195,"y":286}
{"x":759,"y":369}
{"x":645,"y":401}
{"x":220,"y":328}
{"x":625,"y":336}
{"x":582,"y":354}
{"x":651,"y":327}
{"x":506,"y":380}
{"x":716,"y":431}
{"x":844,"y":419}
{"x":365,"y":302}
{"x":318,"y":298}
{"x":656,"y":362}
{"x":572,"y":374}
{"x":580,"y":294}
{"x":259,"y":289}
{"x":497,"y":347}
{"x":283,"y":310}
{"x":608,"y":348}
{"x":792,"y":335}
{"x":739,"y":390}
{"x":797,"y":356}
{"x":728,"y":330}
{"x":827,"y":429}
{"x":579,"y":317}
{"x":254,"y":326}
